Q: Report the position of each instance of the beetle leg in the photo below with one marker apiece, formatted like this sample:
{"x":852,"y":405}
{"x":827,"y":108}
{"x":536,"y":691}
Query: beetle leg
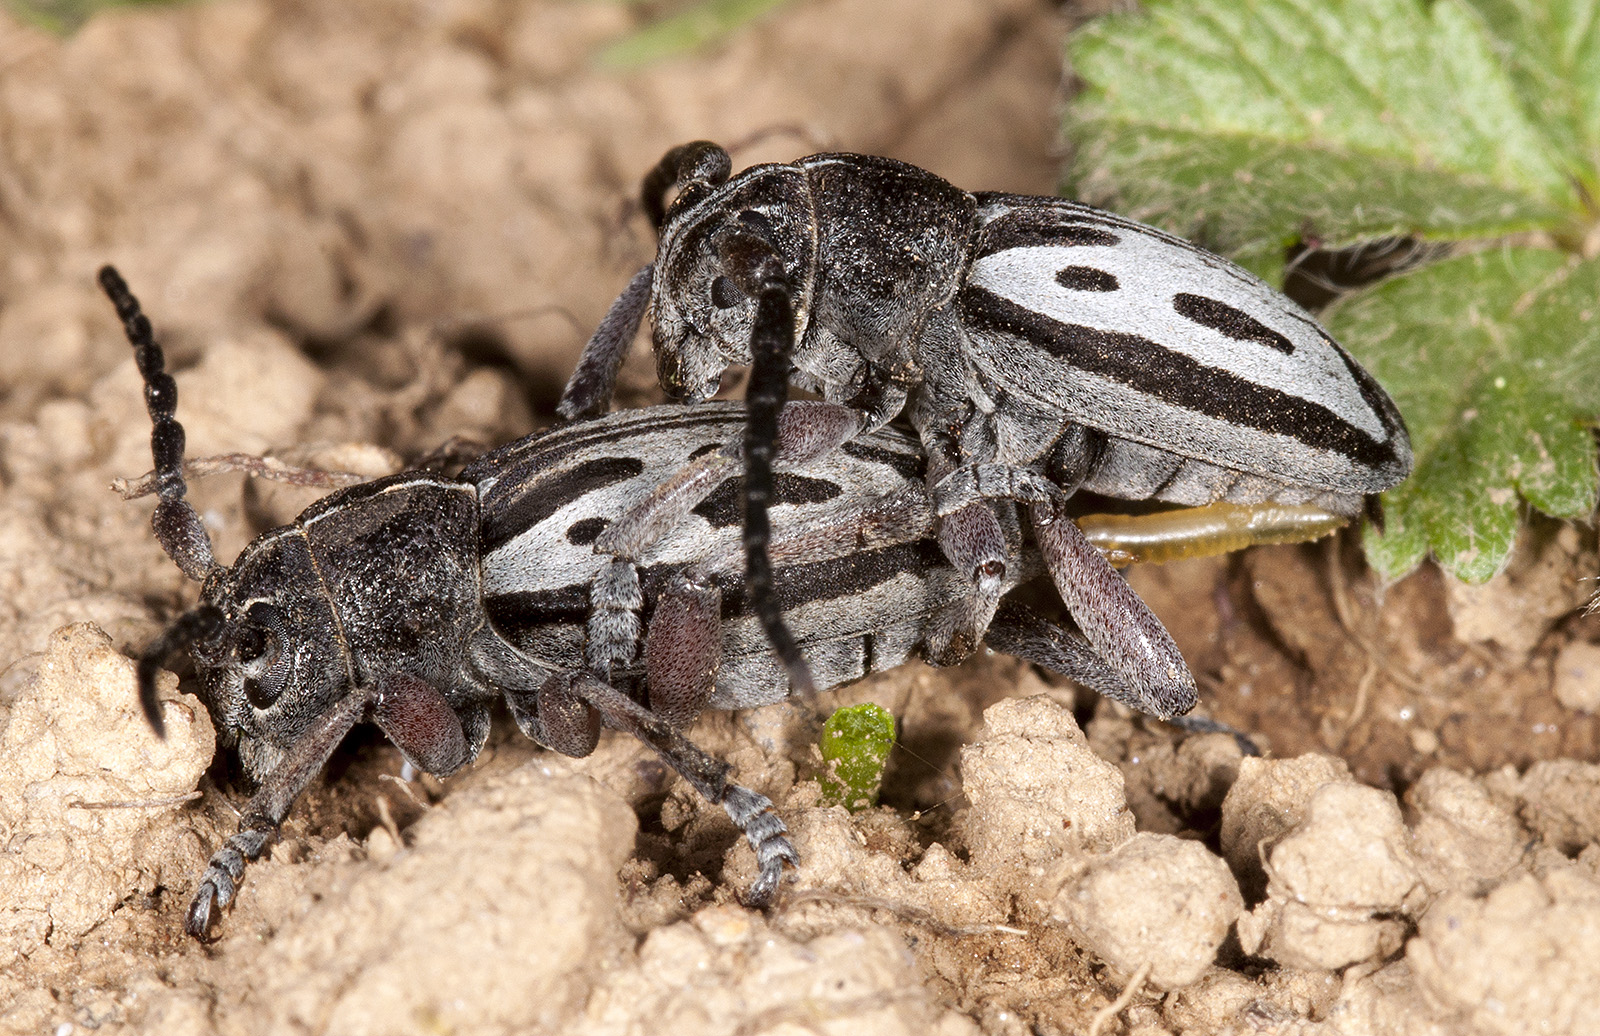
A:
{"x":541,"y":700}
{"x":594,"y":380}
{"x":751,"y":812}
{"x":259,"y":822}
{"x":1121,"y":627}
{"x":614,"y":600}
{"x":1021,"y":633}
{"x":563,"y":722}
{"x":421,"y":723}
{"x":974,"y":543}
{"x":683,"y":648}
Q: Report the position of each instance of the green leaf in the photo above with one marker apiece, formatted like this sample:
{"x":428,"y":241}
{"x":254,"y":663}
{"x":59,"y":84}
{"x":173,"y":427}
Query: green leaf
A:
{"x":704,"y":23}
{"x":64,"y":17}
{"x":855,"y":744}
{"x":1494,"y":358}
{"x":1257,"y":123}
{"x":1552,"y":48}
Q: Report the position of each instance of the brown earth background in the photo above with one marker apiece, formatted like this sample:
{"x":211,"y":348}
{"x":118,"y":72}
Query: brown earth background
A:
{"x":363,"y":228}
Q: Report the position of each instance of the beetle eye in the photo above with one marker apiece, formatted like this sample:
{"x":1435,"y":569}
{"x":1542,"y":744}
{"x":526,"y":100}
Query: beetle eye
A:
{"x":725,"y":294}
{"x":253,"y":643}
{"x":258,"y":644}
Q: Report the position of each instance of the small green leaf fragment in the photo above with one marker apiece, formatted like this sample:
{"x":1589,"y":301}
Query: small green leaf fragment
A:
{"x":855,"y":744}
{"x":701,"y":25}
{"x":1494,"y":358}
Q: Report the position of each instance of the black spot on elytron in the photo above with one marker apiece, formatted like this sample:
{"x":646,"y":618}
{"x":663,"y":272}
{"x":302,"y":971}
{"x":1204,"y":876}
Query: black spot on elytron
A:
{"x":724,"y":508}
{"x":585,"y":532}
{"x":1235,"y":323}
{"x":1086,"y":278}
{"x":700,"y":451}
{"x":534,"y":500}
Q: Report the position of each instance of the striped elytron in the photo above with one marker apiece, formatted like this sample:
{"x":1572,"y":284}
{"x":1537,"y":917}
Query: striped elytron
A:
{"x":586,"y":575}
{"x":1038,"y":346}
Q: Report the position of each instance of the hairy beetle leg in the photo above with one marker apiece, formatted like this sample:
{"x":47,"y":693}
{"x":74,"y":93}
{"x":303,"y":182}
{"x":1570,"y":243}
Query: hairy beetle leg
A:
{"x":683,"y":648}
{"x":615,"y":599}
{"x":1113,"y":618}
{"x":1021,"y":633}
{"x":594,"y":380}
{"x":751,"y":812}
{"x":973,"y":541}
{"x":259,"y":823}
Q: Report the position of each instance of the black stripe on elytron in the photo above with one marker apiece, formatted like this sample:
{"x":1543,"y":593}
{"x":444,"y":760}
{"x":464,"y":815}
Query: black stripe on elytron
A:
{"x":523,"y":505}
{"x":1016,"y":230}
{"x":909,"y":463}
{"x":1086,"y":278}
{"x":724,"y":507}
{"x":1226,"y":320}
{"x":526,"y":609}
{"x":794,"y":585}
{"x":837,"y":579}
{"x":1151,"y":368}
{"x":1372,"y":392}
{"x":524,"y":459}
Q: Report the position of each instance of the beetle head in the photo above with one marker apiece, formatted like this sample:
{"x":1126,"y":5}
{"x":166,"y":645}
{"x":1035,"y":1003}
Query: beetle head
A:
{"x":276,"y":660}
{"x":701,"y":297}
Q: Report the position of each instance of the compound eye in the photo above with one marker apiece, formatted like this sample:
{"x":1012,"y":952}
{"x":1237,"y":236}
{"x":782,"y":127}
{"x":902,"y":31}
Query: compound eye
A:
{"x":258,"y":645}
{"x":725,"y":294}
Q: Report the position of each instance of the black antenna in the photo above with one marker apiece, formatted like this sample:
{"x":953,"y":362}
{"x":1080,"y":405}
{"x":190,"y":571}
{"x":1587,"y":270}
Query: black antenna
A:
{"x":177,"y":526}
{"x":694,"y":168}
{"x":756,"y":267}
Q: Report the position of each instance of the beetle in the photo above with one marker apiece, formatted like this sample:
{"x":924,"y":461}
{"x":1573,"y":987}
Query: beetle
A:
{"x":586,"y":575}
{"x":1039,"y":347}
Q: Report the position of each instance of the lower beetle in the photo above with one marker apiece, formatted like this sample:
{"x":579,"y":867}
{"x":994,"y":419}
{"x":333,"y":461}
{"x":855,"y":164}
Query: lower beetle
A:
{"x":588,"y":575}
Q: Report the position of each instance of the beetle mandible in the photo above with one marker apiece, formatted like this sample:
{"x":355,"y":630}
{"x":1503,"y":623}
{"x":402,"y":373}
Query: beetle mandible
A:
{"x":1039,"y":347}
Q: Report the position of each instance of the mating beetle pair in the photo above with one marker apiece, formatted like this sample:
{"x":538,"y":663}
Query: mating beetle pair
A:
{"x":1038,"y":346}
{"x":584,"y":575}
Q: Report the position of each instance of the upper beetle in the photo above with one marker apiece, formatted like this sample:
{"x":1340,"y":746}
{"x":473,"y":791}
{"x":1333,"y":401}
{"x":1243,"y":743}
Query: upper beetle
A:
{"x":1039,"y":347}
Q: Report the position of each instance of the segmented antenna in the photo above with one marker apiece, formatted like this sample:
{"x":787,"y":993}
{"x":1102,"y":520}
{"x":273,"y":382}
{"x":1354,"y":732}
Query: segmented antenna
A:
{"x":694,"y":168}
{"x":197,"y":624}
{"x":771,"y":342}
{"x":177,"y":526}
